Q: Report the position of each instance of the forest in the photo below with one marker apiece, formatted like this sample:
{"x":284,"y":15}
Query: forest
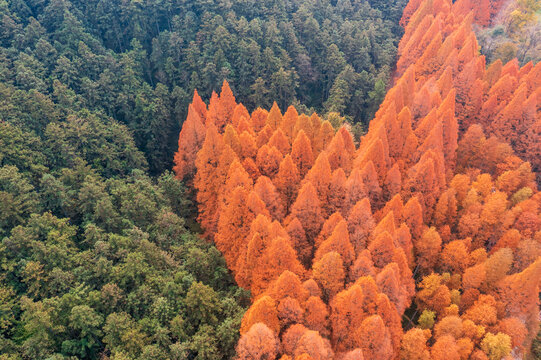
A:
{"x":99,"y":247}
{"x":139,"y":62}
{"x":270,"y":180}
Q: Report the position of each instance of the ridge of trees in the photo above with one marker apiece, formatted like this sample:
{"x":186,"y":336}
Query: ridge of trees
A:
{"x":139,"y":61}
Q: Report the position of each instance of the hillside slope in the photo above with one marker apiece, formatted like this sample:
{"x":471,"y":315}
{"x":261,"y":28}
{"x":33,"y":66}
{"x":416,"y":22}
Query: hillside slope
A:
{"x":421,"y":242}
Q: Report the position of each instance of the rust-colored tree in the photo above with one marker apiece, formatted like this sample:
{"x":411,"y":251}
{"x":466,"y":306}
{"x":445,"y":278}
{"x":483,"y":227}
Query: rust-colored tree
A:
{"x":259,"y":343}
{"x":347,"y":315}
{"x":374,"y":339}
{"x":267,"y":192}
{"x":329,"y":274}
{"x":263,"y":311}
{"x":206,"y":179}
{"x":302,"y":154}
{"x":190,"y":140}
{"x":287,"y":180}
{"x":307,"y":208}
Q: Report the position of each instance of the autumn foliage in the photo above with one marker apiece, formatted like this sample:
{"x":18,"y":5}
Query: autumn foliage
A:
{"x":421,"y":242}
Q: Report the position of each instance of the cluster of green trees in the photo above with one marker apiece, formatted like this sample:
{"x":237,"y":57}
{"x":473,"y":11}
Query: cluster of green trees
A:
{"x":139,"y":61}
{"x":96,"y":257}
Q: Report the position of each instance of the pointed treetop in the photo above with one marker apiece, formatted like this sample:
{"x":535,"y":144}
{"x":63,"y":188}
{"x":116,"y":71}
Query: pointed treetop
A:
{"x":360,"y":224}
{"x":493,"y":72}
{"x":288,"y":284}
{"x":190,"y":140}
{"x":279,"y":257}
{"x":324,"y":136}
{"x":347,"y":314}
{"x":287,"y":180}
{"x":267,"y":192}
{"x":320,"y":176}
{"x":213,"y":111}
{"x":395,"y":205}
{"x":268,"y":160}
{"x":307,"y":208}
{"x":303,"y":123}
{"x":251,"y":168}
{"x":259,"y":118}
{"x":348,"y":139}
{"x":280,"y":141}
{"x":328,"y":228}
{"x":339,"y":154}
{"x":239,"y":113}
{"x":264,"y":135}
{"x":337,"y":191}
{"x":227,"y":104}
{"x":248,"y":145}
{"x":231,"y":138}
{"x":363,"y":266}
{"x":329,"y":273}
{"x":382,"y":249}
{"x":226,"y":90}
{"x":301,"y":153}
{"x":263,"y":310}
{"x":199,"y":106}
{"x":339,"y":242}
{"x":512,"y":68}
{"x":274,"y":119}
{"x":237,"y":176}
{"x":355,"y":190}
{"x":288,"y":121}
{"x":393,"y":182}
{"x":299,"y":241}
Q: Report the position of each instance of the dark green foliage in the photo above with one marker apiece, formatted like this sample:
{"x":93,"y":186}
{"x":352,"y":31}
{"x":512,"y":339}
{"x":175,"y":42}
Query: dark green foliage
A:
{"x":96,"y":256}
{"x":18,"y":198}
{"x":139,"y":61}
{"x":102,"y":142}
{"x":121,"y":274}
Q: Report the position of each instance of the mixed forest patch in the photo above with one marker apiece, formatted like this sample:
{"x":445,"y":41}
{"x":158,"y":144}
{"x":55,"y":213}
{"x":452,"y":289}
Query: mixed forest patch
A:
{"x":140,"y":61}
{"x":422,"y":242}
{"x":99,"y":248}
{"x":404,"y":221}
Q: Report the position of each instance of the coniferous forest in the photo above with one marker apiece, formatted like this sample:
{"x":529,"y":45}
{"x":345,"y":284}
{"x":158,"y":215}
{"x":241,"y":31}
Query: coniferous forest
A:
{"x":270,"y":180}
